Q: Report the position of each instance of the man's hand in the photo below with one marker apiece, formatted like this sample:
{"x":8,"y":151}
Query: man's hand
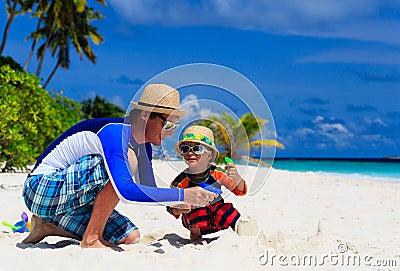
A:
{"x":198,"y":196}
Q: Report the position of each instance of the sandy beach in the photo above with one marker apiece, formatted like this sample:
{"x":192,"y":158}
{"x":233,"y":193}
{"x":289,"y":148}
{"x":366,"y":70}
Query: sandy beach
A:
{"x":305,"y":221}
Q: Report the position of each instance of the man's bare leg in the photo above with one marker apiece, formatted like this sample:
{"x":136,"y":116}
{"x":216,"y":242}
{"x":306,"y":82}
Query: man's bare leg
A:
{"x":41,"y":229}
{"x":105,"y":202}
{"x":132,"y":238}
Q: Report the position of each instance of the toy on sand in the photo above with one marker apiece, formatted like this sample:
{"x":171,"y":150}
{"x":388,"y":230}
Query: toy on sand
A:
{"x":21,"y":226}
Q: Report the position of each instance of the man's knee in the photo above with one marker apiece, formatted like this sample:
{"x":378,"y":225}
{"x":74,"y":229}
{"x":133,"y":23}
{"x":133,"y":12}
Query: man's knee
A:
{"x":132,"y":238}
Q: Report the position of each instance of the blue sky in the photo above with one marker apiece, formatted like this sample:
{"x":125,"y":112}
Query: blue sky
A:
{"x":329,"y":70}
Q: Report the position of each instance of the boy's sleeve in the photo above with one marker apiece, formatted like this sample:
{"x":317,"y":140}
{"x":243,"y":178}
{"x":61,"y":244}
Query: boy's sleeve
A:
{"x":230,"y":184}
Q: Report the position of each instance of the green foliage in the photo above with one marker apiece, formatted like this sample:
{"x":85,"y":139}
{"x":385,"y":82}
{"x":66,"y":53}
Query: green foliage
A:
{"x":31,"y":118}
{"x":65,"y":24}
{"x":100,"y":108}
{"x":7,"y":60}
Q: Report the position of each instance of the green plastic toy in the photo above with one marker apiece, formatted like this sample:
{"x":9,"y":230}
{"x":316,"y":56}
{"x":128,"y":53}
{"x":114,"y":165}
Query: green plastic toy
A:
{"x":21,"y":226}
{"x":228,"y":160}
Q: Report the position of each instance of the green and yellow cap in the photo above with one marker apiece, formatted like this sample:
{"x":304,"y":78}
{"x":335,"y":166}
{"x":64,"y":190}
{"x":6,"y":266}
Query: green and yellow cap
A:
{"x":199,"y":134}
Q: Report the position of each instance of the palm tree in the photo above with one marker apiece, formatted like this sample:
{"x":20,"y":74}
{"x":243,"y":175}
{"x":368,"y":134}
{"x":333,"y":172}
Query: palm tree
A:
{"x":65,"y":23}
{"x":12,"y":11}
{"x":61,"y":40}
{"x":41,"y":8}
{"x":51,"y":25}
{"x":233,"y":135}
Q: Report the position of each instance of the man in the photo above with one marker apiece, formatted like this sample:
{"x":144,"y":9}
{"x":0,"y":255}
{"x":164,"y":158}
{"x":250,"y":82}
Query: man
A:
{"x":79,"y":179}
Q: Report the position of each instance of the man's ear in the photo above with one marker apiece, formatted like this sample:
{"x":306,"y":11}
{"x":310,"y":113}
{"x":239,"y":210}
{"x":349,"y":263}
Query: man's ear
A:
{"x":144,"y":115}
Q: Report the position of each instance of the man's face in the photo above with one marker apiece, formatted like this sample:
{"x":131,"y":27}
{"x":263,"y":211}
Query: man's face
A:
{"x":155,"y":133}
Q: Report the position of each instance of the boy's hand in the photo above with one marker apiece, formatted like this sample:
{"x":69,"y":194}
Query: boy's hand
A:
{"x":231,"y":171}
{"x":181,"y":209}
{"x":178,"y":211}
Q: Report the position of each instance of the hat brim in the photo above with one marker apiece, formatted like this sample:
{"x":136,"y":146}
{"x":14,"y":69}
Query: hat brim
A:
{"x":177,"y":144}
{"x":174,"y":112}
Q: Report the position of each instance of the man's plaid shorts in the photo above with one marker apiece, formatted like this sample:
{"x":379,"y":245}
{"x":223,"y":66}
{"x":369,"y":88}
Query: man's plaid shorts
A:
{"x":65,"y":198}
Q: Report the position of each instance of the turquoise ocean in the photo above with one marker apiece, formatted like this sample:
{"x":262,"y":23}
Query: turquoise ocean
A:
{"x":386,"y":170}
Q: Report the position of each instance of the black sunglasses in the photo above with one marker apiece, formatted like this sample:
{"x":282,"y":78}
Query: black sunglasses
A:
{"x":168,"y":125}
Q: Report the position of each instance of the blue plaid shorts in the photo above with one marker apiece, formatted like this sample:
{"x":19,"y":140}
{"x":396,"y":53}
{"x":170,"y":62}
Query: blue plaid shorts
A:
{"x":65,"y":198}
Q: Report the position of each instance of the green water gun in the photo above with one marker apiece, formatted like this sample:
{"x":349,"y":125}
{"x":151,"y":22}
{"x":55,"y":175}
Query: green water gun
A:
{"x":228,"y":160}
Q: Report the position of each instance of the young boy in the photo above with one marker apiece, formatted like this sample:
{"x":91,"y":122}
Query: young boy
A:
{"x":198,"y":150}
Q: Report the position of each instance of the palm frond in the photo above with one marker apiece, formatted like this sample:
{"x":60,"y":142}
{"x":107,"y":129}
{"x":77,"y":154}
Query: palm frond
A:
{"x":267,"y":143}
{"x":255,"y":160}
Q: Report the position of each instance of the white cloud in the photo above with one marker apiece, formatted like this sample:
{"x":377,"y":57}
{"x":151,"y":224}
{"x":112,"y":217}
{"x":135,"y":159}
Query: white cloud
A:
{"x":192,"y":99}
{"x":375,"y":121}
{"x":344,"y":55}
{"x":191,"y":105}
{"x":377,"y":140}
{"x":318,"y":119}
{"x":90,"y":95}
{"x":117,"y":100}
{"x":303,"y":132}
{"x":326,"y":130}
{"x":333,"y":128}
{"x":321,"y":146}
{"x":194,"y":109}
{"x":321,"y":18}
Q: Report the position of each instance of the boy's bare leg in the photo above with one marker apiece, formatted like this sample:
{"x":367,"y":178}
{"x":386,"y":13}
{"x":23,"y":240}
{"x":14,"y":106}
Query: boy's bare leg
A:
{"x":196,"y":237}
{"x":105,"y":202}
{"x":41,"y":229}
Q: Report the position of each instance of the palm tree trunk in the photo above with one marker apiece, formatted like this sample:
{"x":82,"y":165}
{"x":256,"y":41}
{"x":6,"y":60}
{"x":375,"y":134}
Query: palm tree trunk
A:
{"x":51,"y":74}
{"x":7,"y":28}
{"x":32,"y":47}
{"x":47,"y":36}
{"x":39,"y":68}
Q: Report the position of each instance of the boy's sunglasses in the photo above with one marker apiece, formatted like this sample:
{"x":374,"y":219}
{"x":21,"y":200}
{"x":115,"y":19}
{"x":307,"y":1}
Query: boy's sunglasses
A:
{"x":168,"y":125}
{"x":196,"y":149}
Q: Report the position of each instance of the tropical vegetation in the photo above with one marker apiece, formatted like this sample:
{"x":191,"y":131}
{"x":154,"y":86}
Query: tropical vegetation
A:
{"x":235,"y":136}
{"x":100,"y":108}
{"x":31,"y":118}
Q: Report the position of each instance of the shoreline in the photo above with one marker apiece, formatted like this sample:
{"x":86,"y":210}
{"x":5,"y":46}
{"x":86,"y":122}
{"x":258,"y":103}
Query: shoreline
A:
{"x":357,"y":176}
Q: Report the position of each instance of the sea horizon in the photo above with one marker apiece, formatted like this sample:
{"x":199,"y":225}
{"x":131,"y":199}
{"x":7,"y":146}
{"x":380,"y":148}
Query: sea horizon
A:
{"x":376,"y":169}
{"x":386,"y":169}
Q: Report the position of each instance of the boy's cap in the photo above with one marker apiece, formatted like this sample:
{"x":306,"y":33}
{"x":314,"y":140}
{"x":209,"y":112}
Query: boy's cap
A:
{"x":199,"y":134}
{"x":160,"y":98}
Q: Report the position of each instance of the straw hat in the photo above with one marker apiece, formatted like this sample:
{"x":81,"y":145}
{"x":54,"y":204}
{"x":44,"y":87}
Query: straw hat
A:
{"x":160,"y":98}
{"x":199,"y":134}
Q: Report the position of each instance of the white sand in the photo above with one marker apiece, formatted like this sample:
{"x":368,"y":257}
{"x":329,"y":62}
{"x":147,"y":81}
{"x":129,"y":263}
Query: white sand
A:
{"x":287,"y":209}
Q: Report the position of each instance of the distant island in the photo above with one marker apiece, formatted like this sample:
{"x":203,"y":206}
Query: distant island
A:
{"x":392,"y":157}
